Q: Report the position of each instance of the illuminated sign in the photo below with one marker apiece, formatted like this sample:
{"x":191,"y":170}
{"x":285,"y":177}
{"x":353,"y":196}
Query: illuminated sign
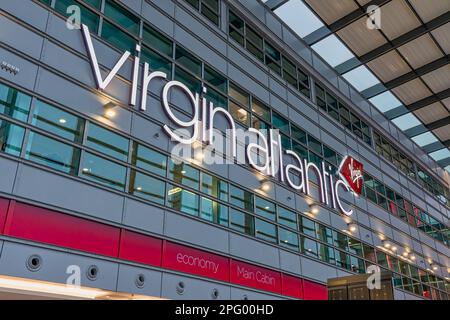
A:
{"x":267,"y":147}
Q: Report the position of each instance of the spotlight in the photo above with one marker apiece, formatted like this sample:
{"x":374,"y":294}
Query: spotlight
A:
{"x":434,"y":267}
{"x":351,"y":227}
{"x":413,"y":258}
{"x":394,"y":249}
{"x":109,"y":110}
{"x":314,"y":209}
{"x":265,"y":185}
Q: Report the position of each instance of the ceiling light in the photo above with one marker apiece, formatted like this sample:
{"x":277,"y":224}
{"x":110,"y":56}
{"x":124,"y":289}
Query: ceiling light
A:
{"x":314,"y":209}
{"x":387,"y":245}
{"x":394,"y":249}
{"x":109,"y":110}
{"x":351,"y":227}
{"x":62,"y":121}
{"x":139,"y":188}
{"x":413,"y":258}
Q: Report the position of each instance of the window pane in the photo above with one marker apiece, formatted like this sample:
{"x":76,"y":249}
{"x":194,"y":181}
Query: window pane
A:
{"x":340,"y":240}
{"x":58,"y":122}
{"x":355,"y":247}
{"x":156,"y":61}
{"x":182,"y":173}
{"x":188,"y":61}
{"x":107,"y":142}
{"x":326,"y":253}
{"x":266,"y":231}
{"x":314,"y":145}
{"x":309,"y":247}
{"x":287,"y":218}
{"x":342,"y":259}
{"x":288,"y":239}
{"x":280,"y":123}
{"x":186,"y":78}
{"x":13,"y":103}
{"x":239,"y":114}
{"x":122,"y":17}
{"x":52,"y":153}
{"x":117,"y":37}
{"x":103,"y":171}
{"x":214,"y":212}
{"x":242,"y":222}
{"x":11,"y":138}
{"x":148,"y":159}
{"x":146,"y":187}
{"x":156,"y":40}
{"x":210,"y":11}
{"x":260,"y":110}
{"x":265,"y":208}
{"x":215,"y":79}
{"x":307,"y":227}
{"x":214,"y":187}
{"x":241,"y":198}
{"x":239,"y":95}
{"x":324,"y":234}
{"x":182,"y":200}
{"x":216,"y":98}
{"x":298,"y":134}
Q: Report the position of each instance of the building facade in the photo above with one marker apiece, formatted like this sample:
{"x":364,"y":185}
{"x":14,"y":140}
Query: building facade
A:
{"x":90,"y":190}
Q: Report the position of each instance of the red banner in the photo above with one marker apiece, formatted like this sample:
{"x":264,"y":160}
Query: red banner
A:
{"x":256,"y":277}
{"x":189,"y":260}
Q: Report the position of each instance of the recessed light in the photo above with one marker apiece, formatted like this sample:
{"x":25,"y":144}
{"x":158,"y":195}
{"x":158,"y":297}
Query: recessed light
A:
{"x":62,"y":120}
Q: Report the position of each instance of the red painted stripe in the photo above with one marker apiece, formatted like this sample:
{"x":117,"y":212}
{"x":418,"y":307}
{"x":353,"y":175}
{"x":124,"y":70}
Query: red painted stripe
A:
{"x":140,"y":248}
{"x":189,"y":260}
{"x":4,"y":205}
{"x":314,"y":291}
{"x":60,"y":229}
{"x":291,"y":286}
{"x":255,"y":277}
{"x":42,"y":225}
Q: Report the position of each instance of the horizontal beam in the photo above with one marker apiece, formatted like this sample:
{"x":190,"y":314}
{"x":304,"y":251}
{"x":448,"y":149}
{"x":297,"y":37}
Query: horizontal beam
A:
{"x":402,"y":110}
{"x":432,"y":147}
{"x":434,"y":65}
{"x":395,"y":43}
{"x":275,"y":4}
{"x":444,"y":162}
{"x":422,"y":128}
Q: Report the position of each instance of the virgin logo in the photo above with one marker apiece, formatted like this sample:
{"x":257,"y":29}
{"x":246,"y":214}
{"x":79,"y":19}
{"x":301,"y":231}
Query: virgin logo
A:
{"x":351,"y":171}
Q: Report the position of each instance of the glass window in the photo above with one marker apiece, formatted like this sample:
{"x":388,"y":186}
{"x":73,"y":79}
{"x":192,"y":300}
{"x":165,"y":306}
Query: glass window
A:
{"x":329,"y":155}
{"x":188,"y":60}
{"x":210,"y":9}
{"x":156,"y":40}
{"x":122,"y":17}
{"x":239,"y":114}
{"x":147,"y":187}
{"x":342,"y":259}
{"x":214,"y":212}
{"x":298,"y":134}
{"x":236,"y":28}
{"x":265,"y":208}
{"x":266,"y":231}
{"x":261,"y":110}
{"x":148,"y":159}
{"x":273,"y":58}
{"x":357,"y":265}
{"x":314,"y":145}
{"x":340,"y":240}
{"x":288,"y":239}
{"x":11,"y":138}
{"x":182,"y":173}
{"x":287,"y":218}
{"x":156,"y":61}
{"x":216,"y":98}
{"x":103,"y":171}
{"x":118,"y":38}
{"x":190,"y":81}
{"x":216,"y":79}
{"x":254,"y":43}
{"x":182,"y":200}
{"x":88,"y":17}
{"x":95,"y":3}
{"x":215,"y":187}
{"x":239,"y":95}
{"x":369,"y":253}
{"x":307,"y":227}
{"x":107,"y":142}
{"x":280,"y":122}
{"x":241,"y":198}
{"x":324,"y":234}
{"x":58,"y":122}
{"x":326,"y":253}
{"x":52,"y":153}
{"x":355,"y":247}
{"x":309,"y":247}
{"x":242,"y":222}
{"x":13,"y":103}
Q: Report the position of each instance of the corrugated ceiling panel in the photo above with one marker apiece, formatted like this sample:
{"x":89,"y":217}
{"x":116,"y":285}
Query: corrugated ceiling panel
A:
{"x":330,"y":11}
{"x":443,"y":133}
{"x":397,"y":18}
{"x":432,"y":113}
{"x":420,"y":51}
{"x":389,"y":66}
{"x":361,"y":39}
{"x":438,"y":80}
{"x":430,"y":9}
{"x":412,"y":91}
{"x":442,"y":36}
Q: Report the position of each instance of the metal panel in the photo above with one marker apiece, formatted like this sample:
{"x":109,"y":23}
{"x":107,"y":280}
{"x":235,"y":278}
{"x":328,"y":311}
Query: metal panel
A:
{"x":128,"y":281}
{"x":252,"y":250}
{"x":143,"y":216}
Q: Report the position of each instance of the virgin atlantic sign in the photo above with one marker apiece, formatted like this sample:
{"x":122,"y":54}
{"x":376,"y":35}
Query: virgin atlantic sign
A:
{"x":263,"y":151}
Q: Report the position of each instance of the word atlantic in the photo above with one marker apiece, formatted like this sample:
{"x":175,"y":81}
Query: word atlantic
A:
{"x":267,"y":147}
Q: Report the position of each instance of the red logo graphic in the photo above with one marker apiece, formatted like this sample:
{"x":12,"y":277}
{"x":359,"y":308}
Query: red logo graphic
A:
{"x":351,"y":171}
